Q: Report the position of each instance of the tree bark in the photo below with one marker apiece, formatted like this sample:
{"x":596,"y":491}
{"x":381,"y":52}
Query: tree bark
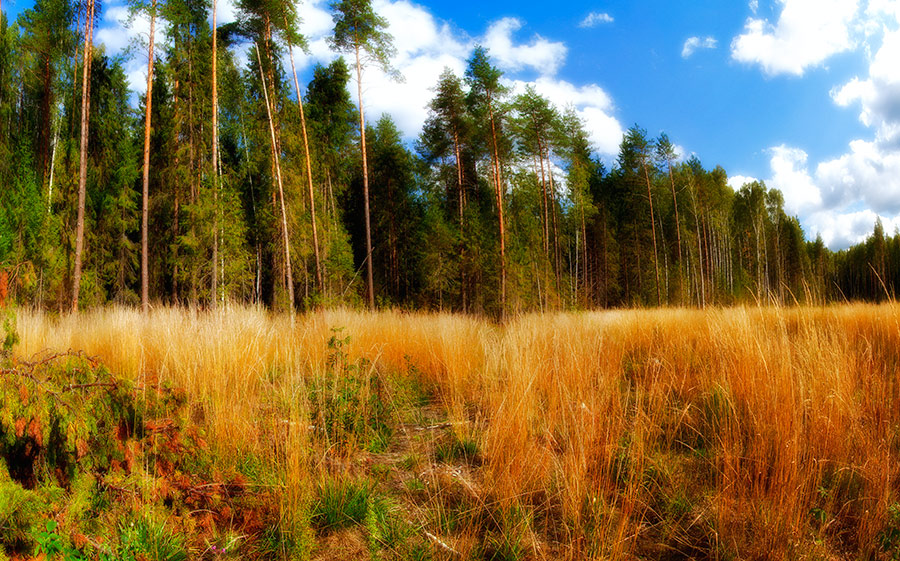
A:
{"x":370,"y":283}
{"x":284,"y":228}
{"x":462,"y":204}
{"x":82,"y":172}
{"x":145,"y":194}
{"x":653,"y":229}
{"x":499,"y":184}
{"x":214,"y":288}
{"x":677,"y":234}
{"x":312,"y":200}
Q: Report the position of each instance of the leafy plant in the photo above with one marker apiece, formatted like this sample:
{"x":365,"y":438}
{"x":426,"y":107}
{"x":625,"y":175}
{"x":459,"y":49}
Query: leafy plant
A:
{"x":349,"y":403}
{"x":889,"y":537}
{"x":53,"y":546}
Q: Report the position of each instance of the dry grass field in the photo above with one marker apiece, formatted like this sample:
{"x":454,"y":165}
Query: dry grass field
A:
{"x":672,"y":434}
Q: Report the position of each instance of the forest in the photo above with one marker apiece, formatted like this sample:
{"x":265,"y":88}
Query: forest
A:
{"x":232,"y":183}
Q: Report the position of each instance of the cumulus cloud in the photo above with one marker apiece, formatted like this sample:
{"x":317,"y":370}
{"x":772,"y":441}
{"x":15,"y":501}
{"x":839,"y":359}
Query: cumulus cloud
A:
{"x":738,"y":181}
{"x":789,"y":173}
{"x":119,"y":32}
{"x":878,"y":95}
{"x":540,"y":54}
{"x":594,"y":19}
{"x":694,"y":43}
{"x":806,"y":34}
{"x":592,"y":104}
{"x":841,"y":197}
{"x":425,"y":46}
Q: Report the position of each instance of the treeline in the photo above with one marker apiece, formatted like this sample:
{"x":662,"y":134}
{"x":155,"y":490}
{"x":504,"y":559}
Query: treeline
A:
{"x":231,"y":183}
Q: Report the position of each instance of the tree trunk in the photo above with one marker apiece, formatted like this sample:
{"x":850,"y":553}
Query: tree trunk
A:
{"x":677,"y":235}
{"x":499,"y":184}
{"x":82,"y":172}
{"x":554,"y":215}
{"x":312,"y":200}
{"x":370,"y":283}
{"x":544,"y":205}
{"x":653,"y":229}
{"x":462,"y":205}
{"x":145,"y":194}
{"x":284,"y":228}
{"x":214,"y":285}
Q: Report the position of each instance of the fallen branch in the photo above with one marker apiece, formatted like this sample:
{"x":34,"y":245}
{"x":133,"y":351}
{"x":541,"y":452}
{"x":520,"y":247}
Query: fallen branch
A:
{"x":440,"y":543}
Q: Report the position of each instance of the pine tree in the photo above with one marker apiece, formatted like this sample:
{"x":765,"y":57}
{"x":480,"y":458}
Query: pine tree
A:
{"x":358,"y":29}
{"x":486,"y":92}
{"x":82,"y":174}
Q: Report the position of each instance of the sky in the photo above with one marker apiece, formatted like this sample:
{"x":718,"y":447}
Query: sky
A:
{"x":801,"y":94}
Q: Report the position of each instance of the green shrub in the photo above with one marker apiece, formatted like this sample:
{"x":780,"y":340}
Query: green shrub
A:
{"x":145,"y":538}
{"x":341,"y":503}
{"x":456,"y":449}
{"x":21,"y":511}
{"x":349,"y":403}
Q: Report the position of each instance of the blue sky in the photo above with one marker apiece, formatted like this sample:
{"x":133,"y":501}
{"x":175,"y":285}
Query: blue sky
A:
{"x":803,"y":94}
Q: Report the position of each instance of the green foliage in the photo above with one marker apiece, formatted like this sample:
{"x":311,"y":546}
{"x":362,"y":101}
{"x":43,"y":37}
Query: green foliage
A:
{"x":20,"y":513}
{"x":349,"y":403}
{"x":889,"y":537}
{"x":53,"y":546}
{"x":358,"y":28}
{"x":146,"y":538}
{"x":458,"y":449}
{"x":341,"y":503}
{"x":11,"y":336}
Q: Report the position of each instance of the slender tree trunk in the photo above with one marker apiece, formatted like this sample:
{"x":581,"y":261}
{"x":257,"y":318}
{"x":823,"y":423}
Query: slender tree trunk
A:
{"x":653,"y":229}
{"x":499,"y":184}
{"x":544,"y":205}
{"x":176,"y":215}
{"x":284,"y":228}
{"x":312,"y":199}
{"x":555,"y":215}
{"x":462,"y":204}
{"x":145,"y":194}
{"x":677,"y":234}
{"x":82,"y":172}
{"x":214,"y":285}
{"x":193,"y":178}
{"x":370,"y":283}
{"x":52,"y":165}
{"x":702,"y":292}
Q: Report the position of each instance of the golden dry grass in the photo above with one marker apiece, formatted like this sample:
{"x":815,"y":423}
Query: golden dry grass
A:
{"x":738,"y":433}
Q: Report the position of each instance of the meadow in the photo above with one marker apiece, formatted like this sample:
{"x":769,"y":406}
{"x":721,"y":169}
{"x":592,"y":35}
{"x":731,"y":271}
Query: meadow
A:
{"x":740,"y":433}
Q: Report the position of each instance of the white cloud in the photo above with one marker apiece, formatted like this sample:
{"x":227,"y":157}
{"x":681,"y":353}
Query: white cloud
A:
{"x":806,"y":34}
{"x":541,"y":55}
{"x":694,"y":43}
{"x":841,"y":229}
{"x":754,"y":6}
{"x":426,"y":45}
{"x":738,"y":181}
{"x":592,"y":104}
{"x":594,"y":19}
{"x":879,"y":94}
{"x":790,"y":175}
{"x":118,"y":32}
{"x":841,"y":197}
